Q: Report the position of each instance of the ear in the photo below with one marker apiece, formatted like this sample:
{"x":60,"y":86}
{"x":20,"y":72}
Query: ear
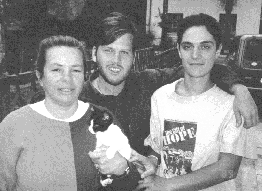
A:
{"x":218,"y":51}
{"x":94,"y":50}
{"x":39,"y":78}
{"x":178,"y":49}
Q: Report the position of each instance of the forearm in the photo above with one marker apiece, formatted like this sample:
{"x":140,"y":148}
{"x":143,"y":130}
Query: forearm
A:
{"x":224,"y":77}
{"x":203,"y":178}
{"x":239,"y":89}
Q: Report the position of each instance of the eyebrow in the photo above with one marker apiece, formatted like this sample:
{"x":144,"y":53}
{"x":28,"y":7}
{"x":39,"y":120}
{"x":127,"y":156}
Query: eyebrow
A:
{"x":125,"y":49}
{"x":75,"y":65}
{"x":203,"y":42}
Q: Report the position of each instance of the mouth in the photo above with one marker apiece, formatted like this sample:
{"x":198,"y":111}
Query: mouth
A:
{"x":114,"y":70}
{"x":196,"y":64}
{"x":66,"y":90}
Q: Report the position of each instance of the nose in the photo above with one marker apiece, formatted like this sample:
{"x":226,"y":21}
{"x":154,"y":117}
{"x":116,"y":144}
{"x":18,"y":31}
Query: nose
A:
{"x":66,"y":76}
{"x":196,"y":53}
{"x":117,"y":57}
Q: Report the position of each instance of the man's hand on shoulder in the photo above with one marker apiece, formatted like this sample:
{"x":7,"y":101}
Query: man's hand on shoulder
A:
{"x":244,"y":105}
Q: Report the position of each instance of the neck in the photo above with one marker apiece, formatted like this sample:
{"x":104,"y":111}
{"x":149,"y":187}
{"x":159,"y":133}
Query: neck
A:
{"x":60,"y":111}
{"x":107,"y":89}
{"x":194,"y":86}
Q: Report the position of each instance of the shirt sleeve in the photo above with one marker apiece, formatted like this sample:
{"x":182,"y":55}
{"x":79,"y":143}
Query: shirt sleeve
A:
{"x":154,"y":138}
{"x":10,"y":148}
{"x":237,"y":140}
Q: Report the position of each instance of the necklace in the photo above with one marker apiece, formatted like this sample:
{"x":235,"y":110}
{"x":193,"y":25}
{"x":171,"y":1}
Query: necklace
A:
{"x":96,"y":86}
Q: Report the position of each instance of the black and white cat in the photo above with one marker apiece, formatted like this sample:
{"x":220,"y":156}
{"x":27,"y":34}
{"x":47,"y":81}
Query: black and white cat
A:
{"x":108,"y":134}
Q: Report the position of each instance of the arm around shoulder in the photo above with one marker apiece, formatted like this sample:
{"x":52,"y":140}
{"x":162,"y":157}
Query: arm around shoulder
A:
{"x":224,"y":169}
{"x":224,"y":77}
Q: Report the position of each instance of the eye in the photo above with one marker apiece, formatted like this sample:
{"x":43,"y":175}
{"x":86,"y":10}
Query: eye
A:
{"x":108,"y":50}
{"x":186,"y":47}
{"x":124,"y":52}
{"x":77,"y":69}
{"x":56,"y":70}
{"x":205,"y":47}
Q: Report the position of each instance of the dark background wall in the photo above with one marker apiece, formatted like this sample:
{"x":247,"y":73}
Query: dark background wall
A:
{"x":35,"y":23}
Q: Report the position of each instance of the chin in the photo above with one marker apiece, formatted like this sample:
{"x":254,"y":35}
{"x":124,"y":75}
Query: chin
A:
{"x":114,"y":81}
{"x":67,"y":101}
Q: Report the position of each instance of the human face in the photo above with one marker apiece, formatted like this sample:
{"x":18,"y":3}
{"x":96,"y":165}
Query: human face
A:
{"x":63,"y":77}
{"x":198,"y":52}
{"x":115,"y":60}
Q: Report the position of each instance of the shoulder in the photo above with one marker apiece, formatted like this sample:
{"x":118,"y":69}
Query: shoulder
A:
{"x":17,"y":123}
{"x":21,"y":114}
{"x":218,"y":101}
{"x":165,"y":90}
{"x":223,"y":96}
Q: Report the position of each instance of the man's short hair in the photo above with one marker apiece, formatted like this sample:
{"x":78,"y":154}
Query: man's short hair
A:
{"x":211,"y":24}
{"x":54,"y":41}
{"x":112,"y":26}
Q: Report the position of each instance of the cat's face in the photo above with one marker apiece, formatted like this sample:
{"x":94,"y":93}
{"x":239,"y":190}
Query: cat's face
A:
{"x":101,"y":119}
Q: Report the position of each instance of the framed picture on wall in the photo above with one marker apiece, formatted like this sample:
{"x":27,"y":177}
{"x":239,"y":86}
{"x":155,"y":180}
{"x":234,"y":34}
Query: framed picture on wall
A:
{"x":228,"y":24}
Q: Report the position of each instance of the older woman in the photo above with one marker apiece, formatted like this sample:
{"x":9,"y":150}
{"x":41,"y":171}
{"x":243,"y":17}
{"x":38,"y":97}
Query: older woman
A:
{"x":45,"y":145}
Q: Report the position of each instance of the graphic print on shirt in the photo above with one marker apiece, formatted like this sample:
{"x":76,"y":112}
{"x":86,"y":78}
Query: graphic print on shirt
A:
{"x":179,"y":140}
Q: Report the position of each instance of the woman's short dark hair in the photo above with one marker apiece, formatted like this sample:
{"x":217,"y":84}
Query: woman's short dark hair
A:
{"x":54,"y":41}
{"x":211,"y":24}
{"x":112,"y":26}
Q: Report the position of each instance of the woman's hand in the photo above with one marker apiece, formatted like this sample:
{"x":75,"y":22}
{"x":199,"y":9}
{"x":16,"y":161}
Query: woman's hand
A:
{"x":116,"y":165}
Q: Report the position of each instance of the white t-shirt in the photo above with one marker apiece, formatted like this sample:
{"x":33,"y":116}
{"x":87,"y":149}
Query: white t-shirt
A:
{"x":190,"y":132}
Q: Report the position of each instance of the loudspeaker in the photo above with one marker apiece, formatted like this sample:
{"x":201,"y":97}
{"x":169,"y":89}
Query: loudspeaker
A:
{"x":249,"y":60}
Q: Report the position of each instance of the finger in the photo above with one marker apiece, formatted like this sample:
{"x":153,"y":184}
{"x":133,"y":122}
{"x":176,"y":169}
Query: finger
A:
{"x":133,"y":159}
{"x":256,"y":118}
{"x":102,"y":148}
{"x":140,"y":171}
{"x":248,"y":122}
{"x":134,"y":155}
{"x":95,"y":155}
{"x":147,"y":173}
{"x":139,"y":166}
{"x":97,"y":158}
{"x":92,"y":155}
{"x":238,"y":118}
{"x":142,"y":185}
